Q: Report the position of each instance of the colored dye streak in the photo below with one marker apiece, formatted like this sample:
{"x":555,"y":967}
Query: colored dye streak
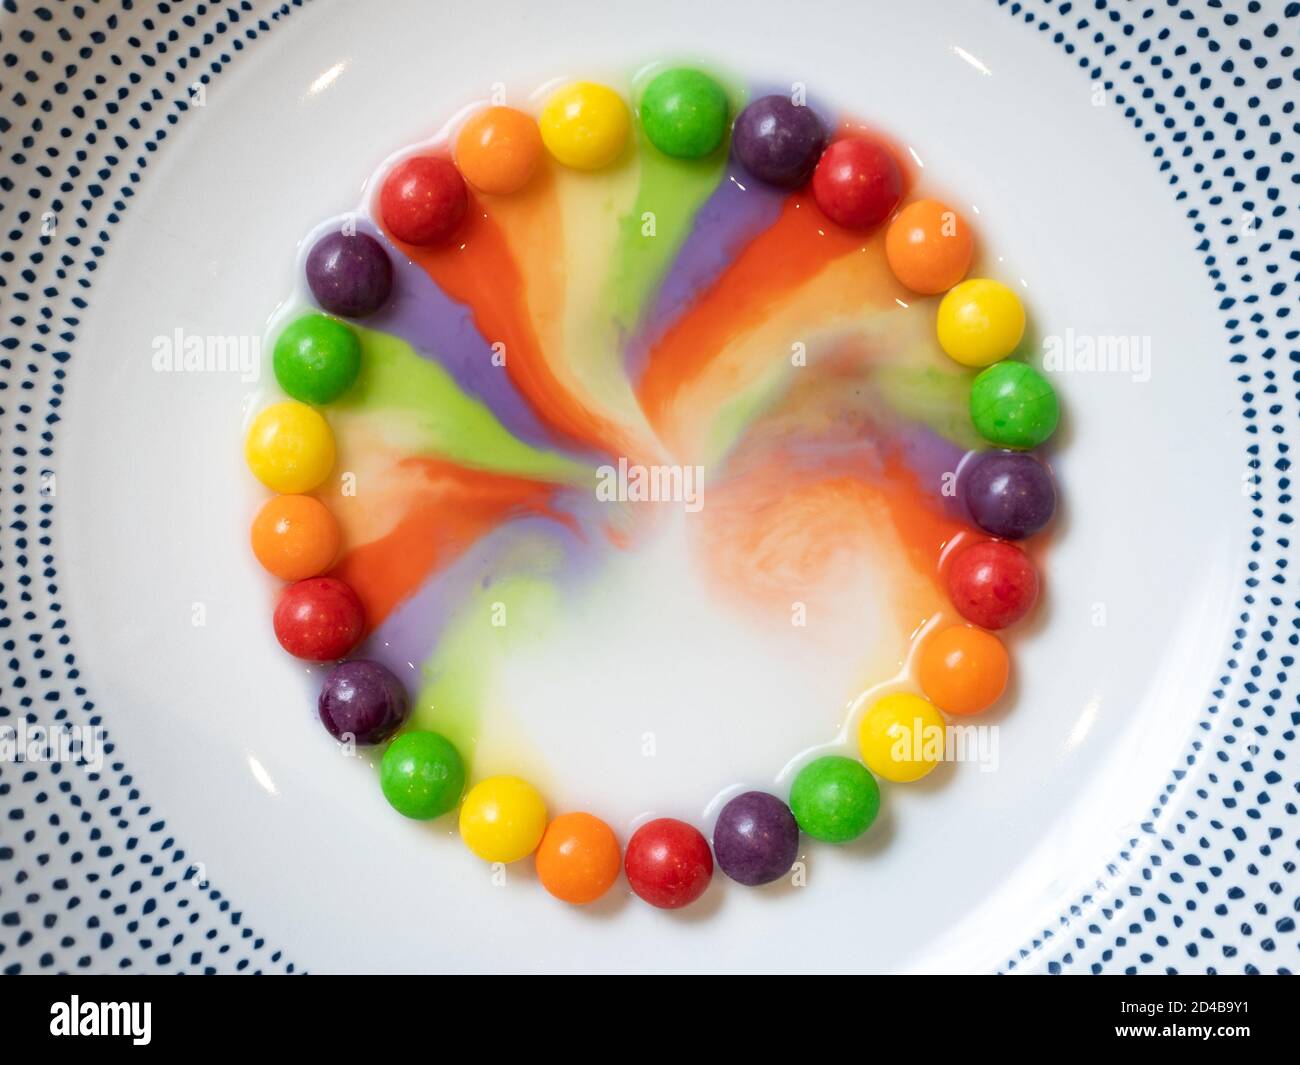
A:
{"x":448,"y":510}
{"x":776,"y":263}
{"x":481,"y":273}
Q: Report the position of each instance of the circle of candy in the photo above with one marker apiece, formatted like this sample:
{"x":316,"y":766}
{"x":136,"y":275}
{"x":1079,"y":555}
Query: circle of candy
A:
{"x":857,"y":182}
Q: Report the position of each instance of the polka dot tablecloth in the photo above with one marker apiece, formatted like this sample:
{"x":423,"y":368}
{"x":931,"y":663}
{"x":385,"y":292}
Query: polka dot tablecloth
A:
{"x":91,"y":876}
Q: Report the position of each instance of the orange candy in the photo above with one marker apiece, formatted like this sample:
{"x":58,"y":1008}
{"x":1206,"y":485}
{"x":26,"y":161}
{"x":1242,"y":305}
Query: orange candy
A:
{"x":578,"y":859}
{"x":295,"y":537}
{"x":929,"y":246}
{"x":498,"y":149}
{"x":963,"y":670}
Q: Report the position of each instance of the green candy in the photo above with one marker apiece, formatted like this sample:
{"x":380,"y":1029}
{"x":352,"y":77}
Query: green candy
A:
{"x":1013,"y":406}
{"x":834,"y":799}
{"x":422,"y":775}
{"x":684,"y":113}
{"x":317,"y":358}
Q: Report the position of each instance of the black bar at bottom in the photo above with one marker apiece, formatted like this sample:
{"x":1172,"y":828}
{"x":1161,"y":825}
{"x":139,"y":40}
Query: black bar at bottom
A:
{"x":339,"y":1012}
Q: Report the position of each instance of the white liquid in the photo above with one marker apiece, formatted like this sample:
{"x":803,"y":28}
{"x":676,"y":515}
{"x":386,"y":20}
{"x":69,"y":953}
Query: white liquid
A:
{"x":652,"y":694}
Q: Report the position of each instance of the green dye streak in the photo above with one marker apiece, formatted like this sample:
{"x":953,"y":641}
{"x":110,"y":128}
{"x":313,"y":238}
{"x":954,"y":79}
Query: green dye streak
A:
{"x":939,"y":399}
{"x":933,"y":395}
{"x":743,"y":408}
{"x":447,"y":422}
{"x":488,"y":626}
{"x":650,"y":235}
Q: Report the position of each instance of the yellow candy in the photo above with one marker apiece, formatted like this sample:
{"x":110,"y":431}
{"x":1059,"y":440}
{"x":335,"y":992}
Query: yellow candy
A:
{"x":980,"y":321}
{"x":290,"y":448}
{"x":901,"y":737}
{"x":502,"y":819}
{"x":585,"y":125}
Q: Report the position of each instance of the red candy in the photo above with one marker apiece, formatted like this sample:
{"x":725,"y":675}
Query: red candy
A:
{"x":668,"y":863}
{"x":423,"y":200}
{"x":857,"y":184}
{"x":319,"y":619}
{"x":992,"y":584}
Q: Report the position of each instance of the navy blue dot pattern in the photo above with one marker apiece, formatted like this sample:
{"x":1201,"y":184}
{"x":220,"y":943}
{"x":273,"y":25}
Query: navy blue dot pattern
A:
{"x":1208,"y":884}
{"x":90,"y":877}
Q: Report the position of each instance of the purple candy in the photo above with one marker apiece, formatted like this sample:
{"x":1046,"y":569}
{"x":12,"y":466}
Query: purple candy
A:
{"x":1009,"y":494}
{"x":778,"y":142}
{"x":350,"y":275}
{"x":363,"y":700}
{"x":756,"y":839}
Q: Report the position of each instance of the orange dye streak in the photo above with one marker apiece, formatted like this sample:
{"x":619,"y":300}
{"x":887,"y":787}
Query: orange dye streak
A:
{"x":922,"y":527}
{"x":448,"y":513}
{"x":786,"y":255}
{"x":782,"y":531}
{"x":479,"y":271}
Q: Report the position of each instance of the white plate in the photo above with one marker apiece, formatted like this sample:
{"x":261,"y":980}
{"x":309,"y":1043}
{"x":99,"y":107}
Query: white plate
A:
{"x":1140,"y":814}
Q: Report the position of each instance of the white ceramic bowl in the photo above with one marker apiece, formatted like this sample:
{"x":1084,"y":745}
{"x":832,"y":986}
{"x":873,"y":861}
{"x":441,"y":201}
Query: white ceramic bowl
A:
{"x":1132,"y":169}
